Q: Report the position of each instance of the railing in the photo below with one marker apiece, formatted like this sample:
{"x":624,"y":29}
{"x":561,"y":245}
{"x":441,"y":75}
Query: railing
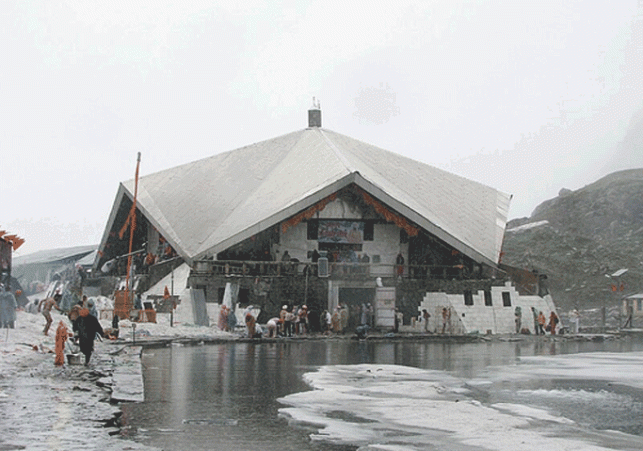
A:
{"x":340,"y":270}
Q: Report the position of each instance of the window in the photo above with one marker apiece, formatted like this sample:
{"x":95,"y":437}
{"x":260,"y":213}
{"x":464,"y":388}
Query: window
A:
{"x":639,"y":304}
{"x":487,"y":298}
{"x":369,"y":233}
{"x":468,"y":297}
{"x":506,"y":299}
{"x":312,"y":229}
{"x":244,"y":296}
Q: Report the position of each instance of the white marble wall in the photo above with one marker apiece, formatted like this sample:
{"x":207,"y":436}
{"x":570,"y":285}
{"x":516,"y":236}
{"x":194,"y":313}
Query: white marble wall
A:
{"x":496,"y":319}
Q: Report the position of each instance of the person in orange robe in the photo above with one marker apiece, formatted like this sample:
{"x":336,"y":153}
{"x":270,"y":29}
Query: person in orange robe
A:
{"x":61,"y":337}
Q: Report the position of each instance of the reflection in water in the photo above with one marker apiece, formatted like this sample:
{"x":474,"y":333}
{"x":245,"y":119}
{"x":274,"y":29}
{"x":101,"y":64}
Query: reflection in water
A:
{"x":224,"y":396}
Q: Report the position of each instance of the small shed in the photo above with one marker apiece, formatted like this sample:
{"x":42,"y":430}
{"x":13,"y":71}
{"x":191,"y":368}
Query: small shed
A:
{"x":633,"y":302}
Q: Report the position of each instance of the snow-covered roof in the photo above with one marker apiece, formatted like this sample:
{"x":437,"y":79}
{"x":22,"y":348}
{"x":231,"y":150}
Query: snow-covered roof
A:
{"x":205,"y":206}
{"x":53,"y":255}
{"x":88,"y":259}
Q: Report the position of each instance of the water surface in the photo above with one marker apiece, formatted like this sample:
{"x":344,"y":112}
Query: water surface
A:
{"x":224,"y":396}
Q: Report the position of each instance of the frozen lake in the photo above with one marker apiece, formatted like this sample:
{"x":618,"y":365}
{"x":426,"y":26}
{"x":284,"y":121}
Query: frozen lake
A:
{"x":344,"y":394}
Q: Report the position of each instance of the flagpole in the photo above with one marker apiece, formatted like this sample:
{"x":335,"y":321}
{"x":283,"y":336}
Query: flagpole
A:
{"x":172,"y":294}
{"x":132,"y":220}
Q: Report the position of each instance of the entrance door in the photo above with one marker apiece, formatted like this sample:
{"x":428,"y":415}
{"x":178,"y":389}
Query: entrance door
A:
{"x":354,"y":298}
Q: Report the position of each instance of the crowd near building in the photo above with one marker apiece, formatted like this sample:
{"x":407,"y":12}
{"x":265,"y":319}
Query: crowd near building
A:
{"x":320,"y":219}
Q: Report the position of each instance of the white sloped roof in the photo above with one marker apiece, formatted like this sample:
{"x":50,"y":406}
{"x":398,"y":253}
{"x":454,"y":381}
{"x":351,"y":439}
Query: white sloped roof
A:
{"x":53,"y":255}
{"x":206,"y":206}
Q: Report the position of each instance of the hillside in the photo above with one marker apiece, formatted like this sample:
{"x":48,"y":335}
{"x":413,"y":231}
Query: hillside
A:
{"x":580,"y":236}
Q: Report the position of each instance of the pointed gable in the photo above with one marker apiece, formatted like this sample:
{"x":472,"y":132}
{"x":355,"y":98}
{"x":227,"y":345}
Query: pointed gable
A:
{"x":207,"y":205}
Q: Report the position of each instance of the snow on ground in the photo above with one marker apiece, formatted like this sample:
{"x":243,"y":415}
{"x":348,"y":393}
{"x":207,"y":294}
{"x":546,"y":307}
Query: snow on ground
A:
{"x":44,"y":407}
{"x":386,"y":407}
{"x":378,"y":407}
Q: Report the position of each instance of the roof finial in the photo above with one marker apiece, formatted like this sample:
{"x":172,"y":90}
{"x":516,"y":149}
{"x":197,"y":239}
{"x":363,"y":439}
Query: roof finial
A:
{"x":314,"y":114}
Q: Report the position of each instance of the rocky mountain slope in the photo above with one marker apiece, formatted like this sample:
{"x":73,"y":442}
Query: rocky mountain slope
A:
{"x":580,"y":237}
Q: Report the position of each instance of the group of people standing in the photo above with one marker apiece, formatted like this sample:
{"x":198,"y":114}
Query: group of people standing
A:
{"x":292,"y":321}
{"x":227,"y":319}
{"x":338,"y":321}
{"x":541,"y":326}
{"x":297,"y":320}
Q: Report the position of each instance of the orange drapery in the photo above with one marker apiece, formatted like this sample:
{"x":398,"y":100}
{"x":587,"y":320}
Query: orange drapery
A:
{"x":308,"y":213}
{"x":379,"y":208}
{"x":387,"y":214}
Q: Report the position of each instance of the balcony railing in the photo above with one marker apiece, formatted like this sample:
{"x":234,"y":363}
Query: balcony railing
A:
{"x":339,"y":270}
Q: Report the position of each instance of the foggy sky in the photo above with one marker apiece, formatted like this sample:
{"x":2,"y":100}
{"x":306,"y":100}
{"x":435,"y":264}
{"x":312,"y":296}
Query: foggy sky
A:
{"x":526,"y":97}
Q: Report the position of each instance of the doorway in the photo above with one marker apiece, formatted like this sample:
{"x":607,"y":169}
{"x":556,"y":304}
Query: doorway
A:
{"x":353,"y":298}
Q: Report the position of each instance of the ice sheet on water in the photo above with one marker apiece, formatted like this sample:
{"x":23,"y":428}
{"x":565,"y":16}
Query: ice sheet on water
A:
{"x":621,"y":368}
{"x":530,"y":412}
{"x":416,"y":409}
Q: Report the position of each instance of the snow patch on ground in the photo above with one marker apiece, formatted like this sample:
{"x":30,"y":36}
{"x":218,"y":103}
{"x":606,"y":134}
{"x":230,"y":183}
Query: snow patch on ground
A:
{"x":531,"y":225}
{"x":44,"y":407}
{"x":382,"y":407}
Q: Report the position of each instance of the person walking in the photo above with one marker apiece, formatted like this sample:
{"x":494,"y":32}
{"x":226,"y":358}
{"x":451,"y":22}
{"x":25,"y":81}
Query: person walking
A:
{"x":231,"y":320}
{"x":336,"y":323}
{"x":8,"y":306}
{"x":343,"y":317}
{"x":86,"y":327}
{"x":575,"y":320}
{"x":325,"y":322}
{"x":446,"y":319}
{"x":61,"y":337}
{"x":536,"y":325}
{"x":425,"y":318}
{"x":553,"y":322}
{"x":369,"y":315}
{"x":541,"y":322}
{"x":518,"y":318}
{"x":295,"y":311}
{"x":364,"y":316}
{"x":222,"y":322}
{"x":282,"y":320}
{"x":303,"y":319}
{"x":399,"y":319}
{"x":251,"y":325}
{"x":289,"y":323}
{"x":630,"y":315}
{"x":45,"y":306}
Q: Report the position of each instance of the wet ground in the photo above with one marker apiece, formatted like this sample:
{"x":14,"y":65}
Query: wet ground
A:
{"x":44,"y":407}
{"x":231,"y":396}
